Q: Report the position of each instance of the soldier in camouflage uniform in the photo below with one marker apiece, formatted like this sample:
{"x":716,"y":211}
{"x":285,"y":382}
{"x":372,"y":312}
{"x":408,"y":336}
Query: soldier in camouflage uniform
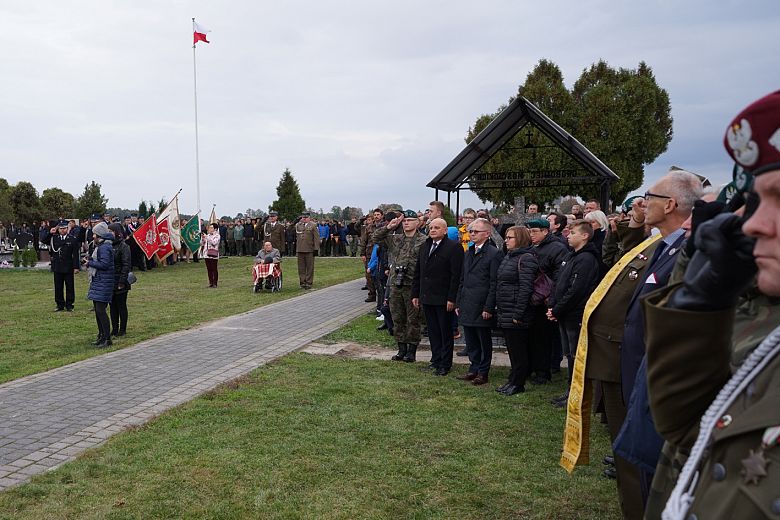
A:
{"x":403,"y":249}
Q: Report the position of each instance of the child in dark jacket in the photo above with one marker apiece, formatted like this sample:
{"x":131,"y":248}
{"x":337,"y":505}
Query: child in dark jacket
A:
{"x":578,"y":276}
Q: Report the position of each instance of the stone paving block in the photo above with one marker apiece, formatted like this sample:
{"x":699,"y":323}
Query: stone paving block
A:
{"x":71,"y":408}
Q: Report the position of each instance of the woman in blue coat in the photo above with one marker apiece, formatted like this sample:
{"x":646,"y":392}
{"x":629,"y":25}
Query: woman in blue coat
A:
{"x":101,"y":288}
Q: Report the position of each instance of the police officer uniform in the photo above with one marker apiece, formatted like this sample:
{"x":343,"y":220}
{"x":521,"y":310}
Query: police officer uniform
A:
{"x":64,"y":252}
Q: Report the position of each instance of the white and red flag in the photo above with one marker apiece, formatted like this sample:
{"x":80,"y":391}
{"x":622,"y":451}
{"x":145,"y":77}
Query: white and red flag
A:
{"x":200,"y":33}
{"x":171,"y":215}
{"x":164,"y":237}
{"x":146,"y":237}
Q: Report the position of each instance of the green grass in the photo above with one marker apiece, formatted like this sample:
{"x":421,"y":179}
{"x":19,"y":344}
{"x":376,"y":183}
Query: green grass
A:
{"x":362,"y":330}
{"x":333,"y":438}
{"x":34,"y":339}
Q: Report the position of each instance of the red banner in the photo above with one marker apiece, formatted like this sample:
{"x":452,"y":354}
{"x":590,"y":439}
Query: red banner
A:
{"x":146,"y":237}
{"x":164,"y":237}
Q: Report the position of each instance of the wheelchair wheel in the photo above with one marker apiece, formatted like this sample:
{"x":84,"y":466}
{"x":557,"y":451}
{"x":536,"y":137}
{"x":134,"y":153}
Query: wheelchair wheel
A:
{"x":277,"y":283}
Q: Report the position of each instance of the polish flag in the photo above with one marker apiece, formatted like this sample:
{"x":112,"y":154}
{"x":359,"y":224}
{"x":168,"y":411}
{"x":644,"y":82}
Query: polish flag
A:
{"x":200,"y":33}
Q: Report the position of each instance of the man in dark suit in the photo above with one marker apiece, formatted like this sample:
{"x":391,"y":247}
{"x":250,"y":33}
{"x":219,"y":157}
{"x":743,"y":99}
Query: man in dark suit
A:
{"x":435,"y":287}
{"x":64,"y":251}
{"x":668,"y":205}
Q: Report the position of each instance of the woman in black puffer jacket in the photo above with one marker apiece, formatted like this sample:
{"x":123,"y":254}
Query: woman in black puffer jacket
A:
{"x":122,"y":263}
{"x":514,"y":313}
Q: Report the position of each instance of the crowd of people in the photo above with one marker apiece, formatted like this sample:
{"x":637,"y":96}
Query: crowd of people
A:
{"x":665,"y":310}
{"x":657,"y":308}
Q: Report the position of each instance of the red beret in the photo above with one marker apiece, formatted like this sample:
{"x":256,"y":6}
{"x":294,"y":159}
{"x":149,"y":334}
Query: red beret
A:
{"x":753,"y":137}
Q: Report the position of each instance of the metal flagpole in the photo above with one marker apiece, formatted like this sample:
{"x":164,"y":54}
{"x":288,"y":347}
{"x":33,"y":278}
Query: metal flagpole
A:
{"x":195,"y":86}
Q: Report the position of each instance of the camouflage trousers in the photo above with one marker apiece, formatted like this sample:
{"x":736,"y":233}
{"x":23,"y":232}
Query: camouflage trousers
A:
{"x":406,"y":318}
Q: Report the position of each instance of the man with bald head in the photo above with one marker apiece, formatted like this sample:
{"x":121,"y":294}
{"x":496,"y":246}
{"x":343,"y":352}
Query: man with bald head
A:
{"x":435,"y":287}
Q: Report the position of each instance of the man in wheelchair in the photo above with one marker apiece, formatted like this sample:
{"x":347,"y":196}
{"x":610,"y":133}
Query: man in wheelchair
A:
{"x":267,"y":273}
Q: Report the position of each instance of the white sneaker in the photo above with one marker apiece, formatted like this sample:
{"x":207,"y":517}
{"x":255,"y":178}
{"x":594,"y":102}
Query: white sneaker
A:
{"x":380,"y":318}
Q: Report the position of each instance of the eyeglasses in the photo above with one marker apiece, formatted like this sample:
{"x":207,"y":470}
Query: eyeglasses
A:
{"x":475,"y":231}
{"x":649,"y":194}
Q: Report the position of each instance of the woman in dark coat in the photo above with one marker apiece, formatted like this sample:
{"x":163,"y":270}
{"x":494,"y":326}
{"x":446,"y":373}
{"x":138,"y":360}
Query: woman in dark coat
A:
{"x":514,"y":287}
{"x":476,"y":301}
{"x":122,"y":265}
{"x":101,"y":287}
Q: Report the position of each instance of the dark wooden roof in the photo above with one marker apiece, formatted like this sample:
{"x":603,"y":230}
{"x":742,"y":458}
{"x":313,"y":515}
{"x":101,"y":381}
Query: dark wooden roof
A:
{"x":506,"y":125}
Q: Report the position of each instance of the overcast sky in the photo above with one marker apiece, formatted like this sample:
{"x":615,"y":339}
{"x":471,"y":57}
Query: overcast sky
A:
{"x":364,"y":101}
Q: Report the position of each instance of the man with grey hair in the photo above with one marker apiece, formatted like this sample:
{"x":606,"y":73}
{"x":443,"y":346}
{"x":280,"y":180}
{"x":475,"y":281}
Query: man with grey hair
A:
{"x":667,"y":205}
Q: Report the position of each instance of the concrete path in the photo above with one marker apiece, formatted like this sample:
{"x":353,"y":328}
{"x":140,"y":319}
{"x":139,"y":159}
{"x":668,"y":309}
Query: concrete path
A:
{"x":50,"y":418}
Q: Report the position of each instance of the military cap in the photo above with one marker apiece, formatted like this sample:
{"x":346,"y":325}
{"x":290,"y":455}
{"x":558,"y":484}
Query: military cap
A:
{"x":115,"y":219}
{"x":538,"y":223}
{"x":62,"y":223}
{"x":134,"y":214}
{"x":306,"y":214}
{"x":753,"y":137}
{"x":628,"y":203}
{"x":273,"y":214}
{"x":96,"y":216}
{"x":410,"y":214}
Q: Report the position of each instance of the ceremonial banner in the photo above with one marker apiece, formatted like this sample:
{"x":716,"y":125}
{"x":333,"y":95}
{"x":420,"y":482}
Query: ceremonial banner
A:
{"x":146,"y":237}
{"x":171,"y":214}
{"x":190,"y":234}
{"x":164,"y":237}
{"x":576,"y":435}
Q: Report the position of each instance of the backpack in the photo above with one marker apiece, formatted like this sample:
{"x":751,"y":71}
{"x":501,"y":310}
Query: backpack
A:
{"x":543,"y":286}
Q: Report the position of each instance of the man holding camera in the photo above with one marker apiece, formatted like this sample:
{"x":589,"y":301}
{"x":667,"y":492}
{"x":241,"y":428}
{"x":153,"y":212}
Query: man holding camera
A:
{"x":404,"y":249}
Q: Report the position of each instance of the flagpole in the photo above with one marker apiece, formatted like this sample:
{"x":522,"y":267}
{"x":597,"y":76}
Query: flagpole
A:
{"x":195,"y":86}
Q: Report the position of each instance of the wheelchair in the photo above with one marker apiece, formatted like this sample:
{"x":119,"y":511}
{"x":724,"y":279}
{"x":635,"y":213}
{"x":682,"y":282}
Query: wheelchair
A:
{"x":267,"y":277}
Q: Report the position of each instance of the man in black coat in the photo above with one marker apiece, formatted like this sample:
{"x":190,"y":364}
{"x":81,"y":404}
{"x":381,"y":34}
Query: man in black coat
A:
{"x":64,"y":252}
{"x":435,"y":287}
{"x":550,"y":253}
{"x":476,"y":303}
{"x":577,"y":278}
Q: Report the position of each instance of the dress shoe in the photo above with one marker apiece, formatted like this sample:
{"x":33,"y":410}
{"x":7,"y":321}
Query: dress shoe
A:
{"x":513,"y":389}
{"x":562,"y":397}
{"x":501,"y":388}
{"x":364,"y":288}
{"x":98,"y":340}
{"x":69,"y":309}
{"x":462,"y":353}
{"x":467,"y":377}
{"x":609,"y":460}
{"x":428,"y":368}
{"x":120,"y":333}
{"x":610,"y":472}
{"x":104,"y":344}
{"x":479,"y":380}
{"x":441,"y":372}
{"x":59,"y":309}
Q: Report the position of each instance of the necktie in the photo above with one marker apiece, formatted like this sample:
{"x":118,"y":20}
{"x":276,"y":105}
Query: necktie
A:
{"x":435,"y":245}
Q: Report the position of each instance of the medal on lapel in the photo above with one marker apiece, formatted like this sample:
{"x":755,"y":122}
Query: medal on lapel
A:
{"x":754,"y":466}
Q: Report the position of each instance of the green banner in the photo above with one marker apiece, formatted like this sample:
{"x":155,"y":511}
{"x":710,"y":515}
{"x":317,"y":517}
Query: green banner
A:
{"x":190,"y":234}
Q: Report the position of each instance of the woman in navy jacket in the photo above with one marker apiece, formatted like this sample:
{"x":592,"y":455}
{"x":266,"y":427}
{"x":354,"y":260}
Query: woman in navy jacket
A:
{"x":101,"y":287}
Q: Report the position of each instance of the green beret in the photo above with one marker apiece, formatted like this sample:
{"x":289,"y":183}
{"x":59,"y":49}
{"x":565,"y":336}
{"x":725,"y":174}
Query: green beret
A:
{"x":538,"y":223}
{"x":628,"y":203}
{"x":410,"y":214}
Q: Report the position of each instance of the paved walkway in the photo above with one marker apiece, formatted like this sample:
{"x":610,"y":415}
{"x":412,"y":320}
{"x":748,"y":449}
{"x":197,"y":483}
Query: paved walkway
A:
{"x":50,"y":418}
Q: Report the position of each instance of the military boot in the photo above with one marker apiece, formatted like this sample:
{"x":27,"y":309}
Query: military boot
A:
{"x":401,"y":352}
{"x":411,"y":353}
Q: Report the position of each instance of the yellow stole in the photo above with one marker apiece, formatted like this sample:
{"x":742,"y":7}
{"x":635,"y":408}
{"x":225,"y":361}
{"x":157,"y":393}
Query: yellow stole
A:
{"x":576,"y":436}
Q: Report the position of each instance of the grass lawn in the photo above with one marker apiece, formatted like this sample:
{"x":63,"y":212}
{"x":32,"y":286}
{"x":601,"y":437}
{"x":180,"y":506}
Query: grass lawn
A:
{"x":329,"y":437}
{"x":34,"y":339}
